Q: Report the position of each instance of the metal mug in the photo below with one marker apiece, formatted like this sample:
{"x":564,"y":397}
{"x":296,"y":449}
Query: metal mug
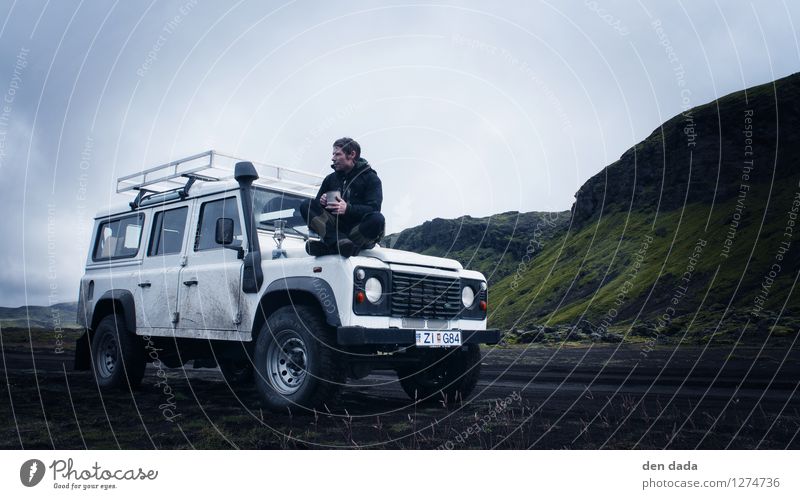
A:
{"x":331,"y":196}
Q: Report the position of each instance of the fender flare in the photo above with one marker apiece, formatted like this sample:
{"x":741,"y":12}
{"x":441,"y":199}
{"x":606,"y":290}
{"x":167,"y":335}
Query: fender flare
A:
{"x":317,"y":287}
{"x":125,"y":299}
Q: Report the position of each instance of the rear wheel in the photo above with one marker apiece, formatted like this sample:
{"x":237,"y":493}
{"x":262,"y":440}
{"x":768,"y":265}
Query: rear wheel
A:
{"x":118,"y":357}
{"x":296,"y":360}
{"x":443,"y":375}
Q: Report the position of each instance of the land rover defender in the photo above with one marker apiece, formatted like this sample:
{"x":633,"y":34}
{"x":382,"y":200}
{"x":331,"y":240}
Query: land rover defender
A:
{"x":207,"y":264}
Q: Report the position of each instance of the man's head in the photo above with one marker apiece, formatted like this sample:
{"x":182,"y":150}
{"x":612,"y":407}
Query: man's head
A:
{"x":345,"y":153}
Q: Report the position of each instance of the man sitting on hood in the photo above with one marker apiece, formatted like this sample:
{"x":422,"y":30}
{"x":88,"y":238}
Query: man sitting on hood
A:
{"x":353,"y":220}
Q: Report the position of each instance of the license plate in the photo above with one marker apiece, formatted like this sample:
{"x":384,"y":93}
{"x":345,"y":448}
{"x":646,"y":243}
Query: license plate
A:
{"x":438,"y":338}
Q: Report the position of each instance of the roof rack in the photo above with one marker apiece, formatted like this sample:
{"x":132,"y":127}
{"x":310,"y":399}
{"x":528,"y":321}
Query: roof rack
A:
{"x":213,"y":166}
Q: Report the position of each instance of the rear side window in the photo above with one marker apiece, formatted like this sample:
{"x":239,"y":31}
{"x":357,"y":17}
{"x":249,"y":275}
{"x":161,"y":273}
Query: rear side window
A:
{"x":168,"y":229}
{"x":119,"y":238}
{"x":207,"y":225}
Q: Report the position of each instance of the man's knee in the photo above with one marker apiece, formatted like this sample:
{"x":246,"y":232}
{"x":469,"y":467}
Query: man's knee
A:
{"x":304,"y":207}
{"x":373,"y":224}
{"x":310,"y":208}
{"x":376,"y":216}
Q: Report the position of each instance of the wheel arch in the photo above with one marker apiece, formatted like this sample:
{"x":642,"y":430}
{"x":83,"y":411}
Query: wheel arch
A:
{"x":309,"y":291}
{"x":115,"y":301}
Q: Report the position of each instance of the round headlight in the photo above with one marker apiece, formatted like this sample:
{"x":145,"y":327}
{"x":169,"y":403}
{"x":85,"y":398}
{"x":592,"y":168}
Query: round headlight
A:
{"x":467,"y":296}
{"x":373,"y":289}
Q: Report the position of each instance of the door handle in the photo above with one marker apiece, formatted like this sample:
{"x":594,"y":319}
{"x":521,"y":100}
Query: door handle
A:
{"x":145,"y":284}
{"x":191,"y":282}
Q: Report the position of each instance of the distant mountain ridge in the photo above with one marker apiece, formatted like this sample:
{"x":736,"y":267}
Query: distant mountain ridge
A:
{"x":62,"y":315}
{"x":493,"y":245}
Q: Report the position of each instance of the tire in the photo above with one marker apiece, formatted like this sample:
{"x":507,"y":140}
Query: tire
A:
{"x":238,"y":373}
{"x":450,"y":376}
{"x":297,"y":367}
{"x":117,"y":355}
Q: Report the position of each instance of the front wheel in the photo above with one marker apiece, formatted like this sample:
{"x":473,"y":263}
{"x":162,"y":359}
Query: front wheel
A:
{"x":449,"y":375}
{"x":118,"y":357}
{"x":296,"y":361}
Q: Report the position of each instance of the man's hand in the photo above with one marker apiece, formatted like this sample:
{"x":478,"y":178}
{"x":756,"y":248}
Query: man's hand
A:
{"x":337,"y":207}
{"x":323,"y":200}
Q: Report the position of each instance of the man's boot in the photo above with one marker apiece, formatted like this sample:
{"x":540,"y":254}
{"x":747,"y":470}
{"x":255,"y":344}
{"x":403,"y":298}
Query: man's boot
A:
{"x":346,"y":248}
{"x":317,"y":248}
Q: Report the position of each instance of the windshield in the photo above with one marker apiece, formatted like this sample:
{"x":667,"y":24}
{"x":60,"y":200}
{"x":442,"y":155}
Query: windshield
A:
{"x":269,"y":206}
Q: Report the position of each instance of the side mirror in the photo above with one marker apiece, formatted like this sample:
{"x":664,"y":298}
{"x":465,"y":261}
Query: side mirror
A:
{"x":224,"y":232}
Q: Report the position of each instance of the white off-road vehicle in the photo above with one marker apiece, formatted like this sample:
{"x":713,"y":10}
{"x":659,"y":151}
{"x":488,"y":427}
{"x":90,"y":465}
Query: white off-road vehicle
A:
{"x":207,"y":264}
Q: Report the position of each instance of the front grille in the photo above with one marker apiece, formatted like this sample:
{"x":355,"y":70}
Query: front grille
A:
{"x":425,"y":296}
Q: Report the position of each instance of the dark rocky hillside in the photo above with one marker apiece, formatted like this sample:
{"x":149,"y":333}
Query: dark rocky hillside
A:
{"x":699,"y":156}
{"x":690,"y":234}
{"x":494,"y":245}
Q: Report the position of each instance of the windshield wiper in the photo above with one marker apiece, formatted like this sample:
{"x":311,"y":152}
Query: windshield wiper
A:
{"x":303,"y":235}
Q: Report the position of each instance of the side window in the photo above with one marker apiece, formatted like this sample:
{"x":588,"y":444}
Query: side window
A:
{"x":168,"y":229}
{"x":118,"y":238}
{"x":207,"y":225}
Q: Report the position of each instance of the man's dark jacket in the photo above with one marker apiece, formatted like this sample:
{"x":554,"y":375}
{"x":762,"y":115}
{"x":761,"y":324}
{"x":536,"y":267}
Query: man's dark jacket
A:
{"x":361,"y":189}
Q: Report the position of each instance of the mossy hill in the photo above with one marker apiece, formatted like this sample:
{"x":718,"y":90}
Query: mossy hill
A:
{"x":495,"y":245}
{"x":693,"y":232}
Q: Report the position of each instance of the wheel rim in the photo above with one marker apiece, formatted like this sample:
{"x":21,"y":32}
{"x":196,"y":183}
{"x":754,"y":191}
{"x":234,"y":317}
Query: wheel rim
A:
{"x":107,"y":356}
{"x":287,"y":362}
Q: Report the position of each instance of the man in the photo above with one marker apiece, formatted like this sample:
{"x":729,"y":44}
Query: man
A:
{"x":353,"y":220}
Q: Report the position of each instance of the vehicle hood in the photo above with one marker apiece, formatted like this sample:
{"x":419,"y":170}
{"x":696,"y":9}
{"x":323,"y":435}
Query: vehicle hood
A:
{"x":295,"y":248}
{"x":389,"y":255}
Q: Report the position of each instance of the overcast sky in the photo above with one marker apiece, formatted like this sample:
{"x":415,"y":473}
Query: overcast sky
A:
{"x":463,"y":108}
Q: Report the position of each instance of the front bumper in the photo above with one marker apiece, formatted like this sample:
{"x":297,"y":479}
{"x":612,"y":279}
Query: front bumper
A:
{"x":356,"y":335}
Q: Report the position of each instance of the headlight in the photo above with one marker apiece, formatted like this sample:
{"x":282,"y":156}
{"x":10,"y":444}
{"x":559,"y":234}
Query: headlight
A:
{"x":373,"y":289}
{"x":467,"y":296}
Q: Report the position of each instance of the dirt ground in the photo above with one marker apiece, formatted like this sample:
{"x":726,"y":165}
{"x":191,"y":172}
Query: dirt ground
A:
{"x":622,"y":396}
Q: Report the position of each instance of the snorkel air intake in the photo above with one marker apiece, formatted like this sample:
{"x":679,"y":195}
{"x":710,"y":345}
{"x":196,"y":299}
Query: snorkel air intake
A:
{"x":252,"y":275}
